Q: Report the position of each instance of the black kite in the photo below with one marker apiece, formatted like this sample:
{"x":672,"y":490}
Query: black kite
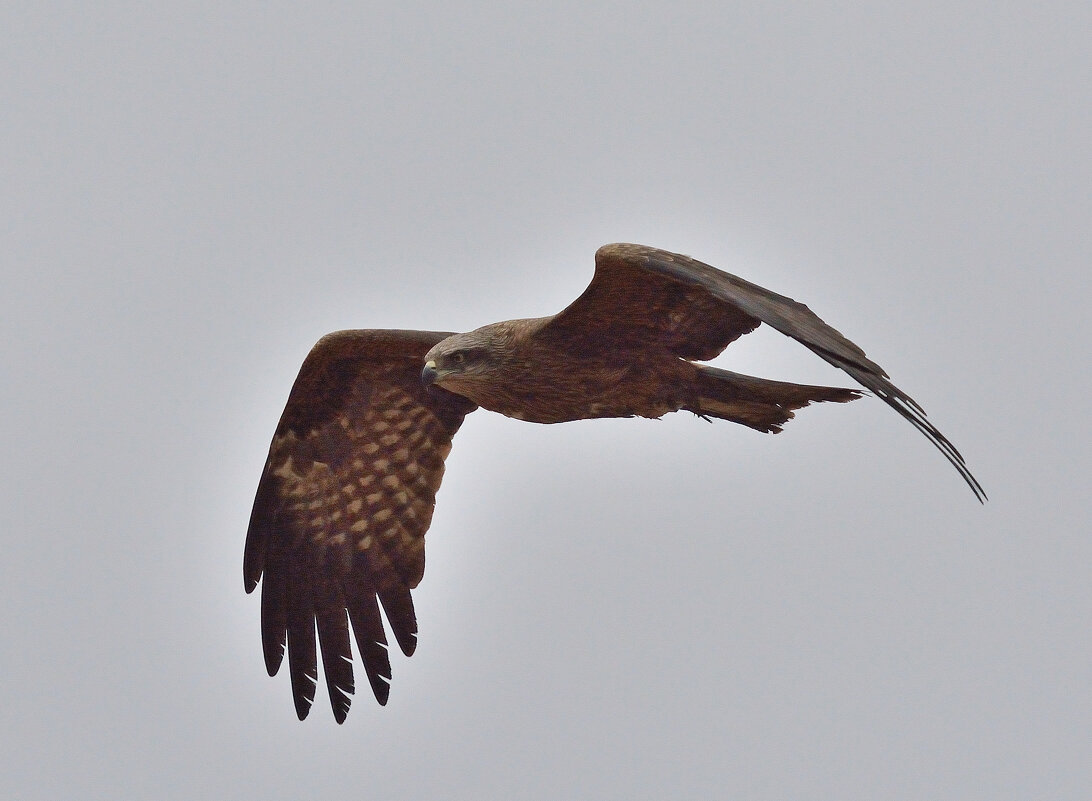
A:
{"x":349,"y":487}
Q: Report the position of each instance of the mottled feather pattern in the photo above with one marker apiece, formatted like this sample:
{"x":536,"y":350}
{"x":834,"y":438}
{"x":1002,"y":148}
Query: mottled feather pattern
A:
{"x":343,"y":506}
{"x":349,"y":488}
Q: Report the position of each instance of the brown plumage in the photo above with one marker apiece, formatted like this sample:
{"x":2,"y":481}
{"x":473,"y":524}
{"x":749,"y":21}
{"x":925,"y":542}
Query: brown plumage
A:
{"x":350,"y":484}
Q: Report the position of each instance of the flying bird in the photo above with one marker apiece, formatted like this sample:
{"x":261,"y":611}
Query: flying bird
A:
{"x":347,"y":493}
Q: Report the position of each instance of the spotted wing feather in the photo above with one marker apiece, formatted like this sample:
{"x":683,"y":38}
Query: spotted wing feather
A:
{"x":342,"y":508}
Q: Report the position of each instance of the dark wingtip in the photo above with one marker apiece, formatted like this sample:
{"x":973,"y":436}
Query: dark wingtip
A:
{"x":380,"y":682}
{"x":341,"y":708}
{"x":382,"y":693}
{"x":398,"y":604}
{"x":274,"y":656}
{"x":913,"y":412}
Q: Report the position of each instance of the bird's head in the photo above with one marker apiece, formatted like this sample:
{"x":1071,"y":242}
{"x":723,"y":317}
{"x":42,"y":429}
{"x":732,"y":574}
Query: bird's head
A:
{"x":463,"y":362}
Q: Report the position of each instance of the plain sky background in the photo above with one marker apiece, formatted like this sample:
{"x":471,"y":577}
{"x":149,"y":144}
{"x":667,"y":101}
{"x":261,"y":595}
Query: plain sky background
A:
{"x":191,"y":194}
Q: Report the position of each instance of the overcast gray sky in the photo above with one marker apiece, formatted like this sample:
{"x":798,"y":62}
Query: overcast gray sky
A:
{"x":191,"y":194}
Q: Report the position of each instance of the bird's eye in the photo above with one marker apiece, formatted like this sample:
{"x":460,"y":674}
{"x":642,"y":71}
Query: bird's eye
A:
{"x":458,"y":357}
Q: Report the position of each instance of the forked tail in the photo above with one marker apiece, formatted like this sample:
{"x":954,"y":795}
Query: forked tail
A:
{"x":758,"y":403}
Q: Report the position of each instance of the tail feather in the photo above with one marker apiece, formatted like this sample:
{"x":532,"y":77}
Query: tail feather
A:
{"x":758,"y":403}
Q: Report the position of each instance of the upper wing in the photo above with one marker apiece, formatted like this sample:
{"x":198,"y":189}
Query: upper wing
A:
{"x":343,"y":505}
{"x":640,"y":295}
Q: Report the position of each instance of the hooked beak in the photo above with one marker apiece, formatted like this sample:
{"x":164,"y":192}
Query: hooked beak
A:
{"x":429,"y":374}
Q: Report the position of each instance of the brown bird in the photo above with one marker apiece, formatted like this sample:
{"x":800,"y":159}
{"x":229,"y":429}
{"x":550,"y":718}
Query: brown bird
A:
{"x":349,"y":487}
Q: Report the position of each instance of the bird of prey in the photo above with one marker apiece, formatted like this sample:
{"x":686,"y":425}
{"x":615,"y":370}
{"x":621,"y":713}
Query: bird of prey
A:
{"x":348,"y":490}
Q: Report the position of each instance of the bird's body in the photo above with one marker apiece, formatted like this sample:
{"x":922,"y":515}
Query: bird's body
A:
{"x":529,"y":378}
{"x":349,"y":487}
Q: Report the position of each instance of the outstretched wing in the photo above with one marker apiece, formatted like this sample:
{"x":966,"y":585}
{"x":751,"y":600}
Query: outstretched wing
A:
{"x":342,"y":508}
{"x":641,"y":295}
